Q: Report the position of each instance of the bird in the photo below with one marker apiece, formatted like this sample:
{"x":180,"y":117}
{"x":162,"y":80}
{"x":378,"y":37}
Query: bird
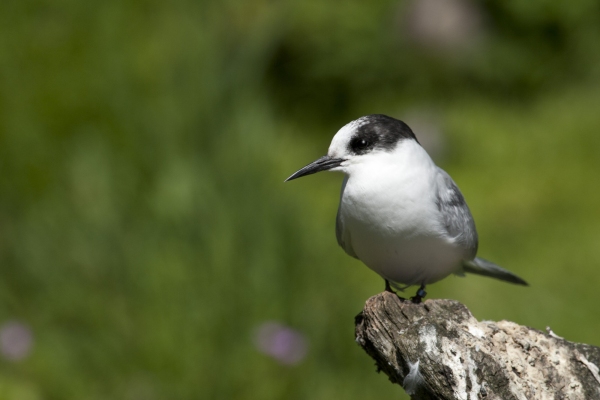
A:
{"x":399,"y":213}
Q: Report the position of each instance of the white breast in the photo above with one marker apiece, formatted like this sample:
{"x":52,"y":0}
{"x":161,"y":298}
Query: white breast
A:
{"x":391,"y":219}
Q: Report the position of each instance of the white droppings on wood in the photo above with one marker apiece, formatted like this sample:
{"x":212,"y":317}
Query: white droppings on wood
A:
{"x":495,"y":360}
{"x":471,"y":368}
{"x":428,"y":336}
{"x":453,"y":359}
{"x":515,"y":389}
{"x":476,"y":331}
{"x":591,"y":366}
{"x":530,"y":357}
{"x":413,"y":379}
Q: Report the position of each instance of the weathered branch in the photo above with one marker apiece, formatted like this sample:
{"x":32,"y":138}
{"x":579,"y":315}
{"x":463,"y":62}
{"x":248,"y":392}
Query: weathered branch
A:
{"x":438,"y":350}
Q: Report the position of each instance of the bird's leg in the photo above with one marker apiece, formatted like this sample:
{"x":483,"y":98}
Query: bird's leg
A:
{"x":421,"y":293}
{"x":388,"y":288}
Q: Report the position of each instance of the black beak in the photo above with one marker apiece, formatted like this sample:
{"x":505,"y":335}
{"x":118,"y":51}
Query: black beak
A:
{"x":322,"y":164}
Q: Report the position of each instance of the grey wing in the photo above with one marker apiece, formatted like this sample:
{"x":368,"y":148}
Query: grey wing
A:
{"x":343,"y":235}
{"x":456,"y":215}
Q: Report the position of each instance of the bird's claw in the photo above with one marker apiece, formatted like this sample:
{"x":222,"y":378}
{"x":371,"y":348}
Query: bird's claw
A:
{"x":421,"y":293}
{"x":388,"y":288}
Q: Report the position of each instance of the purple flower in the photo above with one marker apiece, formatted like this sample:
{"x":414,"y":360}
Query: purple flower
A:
{"x":16,"y":340}
{"x":284,"y":344}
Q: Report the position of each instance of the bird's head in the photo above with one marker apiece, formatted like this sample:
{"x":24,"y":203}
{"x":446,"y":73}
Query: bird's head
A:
{"x":359,"y":141}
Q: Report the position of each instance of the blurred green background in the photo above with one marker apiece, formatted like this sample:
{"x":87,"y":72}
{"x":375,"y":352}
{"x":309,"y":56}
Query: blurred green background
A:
{"x":146,"y":234}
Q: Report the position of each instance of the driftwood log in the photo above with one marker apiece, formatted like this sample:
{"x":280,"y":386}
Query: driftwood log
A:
{"x":438,"y":350}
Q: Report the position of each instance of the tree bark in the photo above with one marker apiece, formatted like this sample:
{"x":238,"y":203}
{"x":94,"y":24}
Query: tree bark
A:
{"x":438,"y":350}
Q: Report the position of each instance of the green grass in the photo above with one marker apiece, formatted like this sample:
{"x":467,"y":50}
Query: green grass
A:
{"x":145,"y":229}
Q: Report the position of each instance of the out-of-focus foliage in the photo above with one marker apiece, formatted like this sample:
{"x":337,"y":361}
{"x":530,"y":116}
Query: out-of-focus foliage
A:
{"x":334,"y":60}
{"x":145,"y":232}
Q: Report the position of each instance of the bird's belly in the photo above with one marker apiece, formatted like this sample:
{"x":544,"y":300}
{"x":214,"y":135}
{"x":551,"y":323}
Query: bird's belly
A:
{"x":418,"y":259}
{"x":395,"y":230}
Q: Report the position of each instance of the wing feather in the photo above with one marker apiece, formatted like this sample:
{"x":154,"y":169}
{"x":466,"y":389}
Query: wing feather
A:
{"x":456,"y":215}
{"x":343,"y":235}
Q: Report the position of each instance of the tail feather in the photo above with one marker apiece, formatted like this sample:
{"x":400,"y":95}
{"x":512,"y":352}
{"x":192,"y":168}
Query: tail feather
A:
{"x":483,"y":267}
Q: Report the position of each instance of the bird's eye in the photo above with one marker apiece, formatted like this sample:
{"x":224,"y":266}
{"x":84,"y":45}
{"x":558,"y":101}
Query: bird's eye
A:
{"x":362,"y":144}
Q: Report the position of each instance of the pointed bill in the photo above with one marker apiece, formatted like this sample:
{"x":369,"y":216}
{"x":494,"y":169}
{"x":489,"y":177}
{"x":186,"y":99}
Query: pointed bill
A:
{"x":322,"y":164}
